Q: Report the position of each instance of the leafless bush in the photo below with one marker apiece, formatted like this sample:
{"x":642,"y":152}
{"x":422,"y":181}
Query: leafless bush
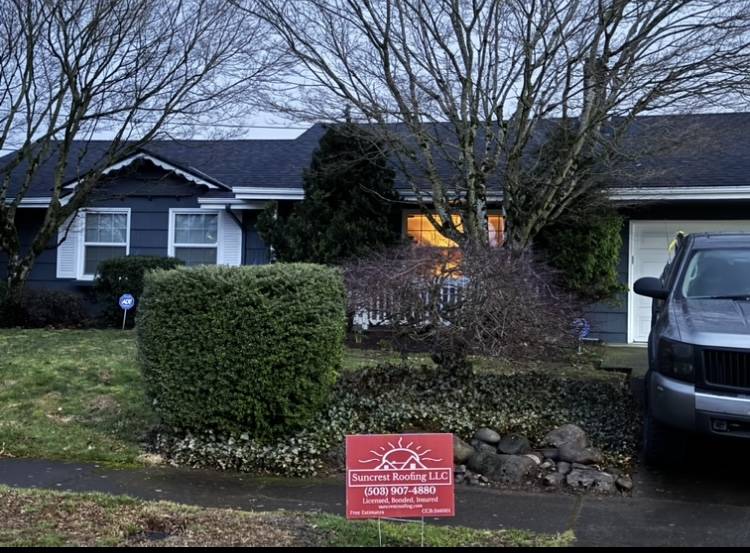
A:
{"x":483,"y":301}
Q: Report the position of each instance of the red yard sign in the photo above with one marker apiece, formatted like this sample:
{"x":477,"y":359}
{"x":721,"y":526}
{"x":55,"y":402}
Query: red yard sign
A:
{"x":399,"y":476}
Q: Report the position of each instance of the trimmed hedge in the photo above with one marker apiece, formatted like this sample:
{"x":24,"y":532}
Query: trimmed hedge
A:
{"x":45,"y":308}
{"x":241,"y":350}
{"x":124,"y":275}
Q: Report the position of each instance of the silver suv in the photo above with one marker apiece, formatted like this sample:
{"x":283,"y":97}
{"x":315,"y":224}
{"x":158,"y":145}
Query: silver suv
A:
{"x":699,"y":346}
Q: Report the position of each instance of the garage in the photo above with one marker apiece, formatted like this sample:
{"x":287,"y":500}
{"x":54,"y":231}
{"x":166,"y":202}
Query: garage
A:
{"x":649,"y":252}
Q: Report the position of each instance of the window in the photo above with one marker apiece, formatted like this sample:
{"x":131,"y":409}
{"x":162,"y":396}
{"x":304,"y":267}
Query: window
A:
{"x":194,"y":236}
{"x":721,"y":273}
{"x":419,"y":229}
{"x":106,"y":235}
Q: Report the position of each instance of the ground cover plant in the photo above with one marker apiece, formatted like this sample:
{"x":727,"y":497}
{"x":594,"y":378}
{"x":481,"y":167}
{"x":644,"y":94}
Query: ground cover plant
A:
{"x":401,"y":398}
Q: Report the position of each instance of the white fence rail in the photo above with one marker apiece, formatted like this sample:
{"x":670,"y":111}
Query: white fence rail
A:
{"x":381,"y":309}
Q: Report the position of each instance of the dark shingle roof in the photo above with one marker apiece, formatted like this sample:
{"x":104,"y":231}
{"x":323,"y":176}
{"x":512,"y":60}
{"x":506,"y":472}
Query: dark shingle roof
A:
{"x":261,"y":163}
{"x":701,"y":150}
{"x":688,"y":151}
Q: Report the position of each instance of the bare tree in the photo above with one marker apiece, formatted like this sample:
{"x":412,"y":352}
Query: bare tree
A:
{"x":473,"y":301}
{"x":129,"y":70}
{"x":523,"y":93}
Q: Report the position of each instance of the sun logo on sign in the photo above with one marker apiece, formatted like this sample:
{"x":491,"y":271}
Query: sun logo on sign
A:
{"x":400,"y":457}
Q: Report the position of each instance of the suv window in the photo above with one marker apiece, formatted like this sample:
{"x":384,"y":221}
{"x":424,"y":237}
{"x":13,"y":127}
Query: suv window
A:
{"x":723,"y":273}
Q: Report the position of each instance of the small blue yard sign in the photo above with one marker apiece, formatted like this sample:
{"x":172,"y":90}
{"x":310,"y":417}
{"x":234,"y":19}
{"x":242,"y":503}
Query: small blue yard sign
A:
{"x":126,"y":302}
{"x":583,"y":327}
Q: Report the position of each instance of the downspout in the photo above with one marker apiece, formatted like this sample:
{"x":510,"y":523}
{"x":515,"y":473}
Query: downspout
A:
{"x":237,"y":220}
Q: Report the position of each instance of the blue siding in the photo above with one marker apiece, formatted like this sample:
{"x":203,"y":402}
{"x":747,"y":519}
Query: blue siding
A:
{"x":609,"y":319}
{"x":256,"y":251}
{"x":150,"y":194}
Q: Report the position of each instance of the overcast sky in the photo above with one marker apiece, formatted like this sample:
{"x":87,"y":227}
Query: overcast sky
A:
{"x":259,"y":126}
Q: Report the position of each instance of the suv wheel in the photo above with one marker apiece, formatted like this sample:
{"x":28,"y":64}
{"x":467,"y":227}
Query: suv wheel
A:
{"x":662,"y":445}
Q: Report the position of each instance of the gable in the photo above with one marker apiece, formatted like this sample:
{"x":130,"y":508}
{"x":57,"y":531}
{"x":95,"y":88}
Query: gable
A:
{"x":142,"y":158}
{"x":144,"y":179}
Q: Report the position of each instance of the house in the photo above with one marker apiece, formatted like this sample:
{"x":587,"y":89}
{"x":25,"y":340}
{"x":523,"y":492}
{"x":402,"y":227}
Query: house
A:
{"x":199,"y":200}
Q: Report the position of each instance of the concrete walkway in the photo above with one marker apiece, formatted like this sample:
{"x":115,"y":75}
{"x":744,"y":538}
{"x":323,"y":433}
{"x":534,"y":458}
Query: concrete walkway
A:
{"x":643,"y":520}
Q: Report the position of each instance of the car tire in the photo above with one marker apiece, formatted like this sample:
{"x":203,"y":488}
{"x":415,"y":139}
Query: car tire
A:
{"x":663,"y":446}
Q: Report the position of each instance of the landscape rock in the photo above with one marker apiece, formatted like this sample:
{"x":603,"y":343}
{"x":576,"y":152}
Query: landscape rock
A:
{"x":572,"y":453}
{"x":563,"y":467}
{"x":554,"y":480}
{"x":624,"y":483}
{"x":514,"y":444}
{"x":568,"y":434}
{"x":507,"y":469}
{"x":479,"y":445}
{"x":592,"y":480}
{"x":462,"y":451}
{"x":536,"y":457}
{"x":488,"y":436}
{"x":550,"y":453}
{"x":548,"y":464}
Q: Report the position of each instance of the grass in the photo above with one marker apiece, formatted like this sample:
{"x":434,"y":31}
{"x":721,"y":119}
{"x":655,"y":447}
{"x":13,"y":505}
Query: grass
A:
{"x":69,"y":394}
{"x":584,"y":365}
{"x":343,"y":533}
{"x":38,"y":518}
{"x":78,"y":394}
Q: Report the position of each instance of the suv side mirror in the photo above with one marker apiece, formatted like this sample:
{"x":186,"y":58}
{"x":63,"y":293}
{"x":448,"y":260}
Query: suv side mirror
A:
{"x":651,"y":287}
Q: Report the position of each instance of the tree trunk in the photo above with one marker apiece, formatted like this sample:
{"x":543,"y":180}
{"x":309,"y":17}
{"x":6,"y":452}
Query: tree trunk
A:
{"x":11,"y":312}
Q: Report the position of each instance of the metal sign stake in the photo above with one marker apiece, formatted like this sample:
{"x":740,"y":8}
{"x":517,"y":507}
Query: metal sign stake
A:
{"x":403,"y":520}
{"x":126,"y":303}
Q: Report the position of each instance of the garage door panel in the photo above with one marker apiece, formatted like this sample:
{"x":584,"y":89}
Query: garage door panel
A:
{"x":649,"y":253}
{"x":655,"y":239}
{"x":643,"y":325}
{"x":652,"y":268}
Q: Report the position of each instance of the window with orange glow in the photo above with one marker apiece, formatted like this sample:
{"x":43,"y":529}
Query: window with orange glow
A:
{"x":419,"y":229}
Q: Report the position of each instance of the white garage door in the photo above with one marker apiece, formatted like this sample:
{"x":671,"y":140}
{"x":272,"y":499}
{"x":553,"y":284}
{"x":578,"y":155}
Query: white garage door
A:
{"x":649,"y":252}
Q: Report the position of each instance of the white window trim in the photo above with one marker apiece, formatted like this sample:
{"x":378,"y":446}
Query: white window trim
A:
{"x":193,"y":211}
{"x":82,"y":238}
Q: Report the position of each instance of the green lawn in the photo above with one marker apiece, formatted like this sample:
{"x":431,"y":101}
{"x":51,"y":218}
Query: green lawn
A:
{"x":583,"y":365}
{"x":37,"y":518}
{"x":71,"y":394}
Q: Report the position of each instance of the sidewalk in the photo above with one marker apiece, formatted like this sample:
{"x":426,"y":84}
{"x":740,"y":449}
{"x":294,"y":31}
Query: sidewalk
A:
{"x":616,"y":521}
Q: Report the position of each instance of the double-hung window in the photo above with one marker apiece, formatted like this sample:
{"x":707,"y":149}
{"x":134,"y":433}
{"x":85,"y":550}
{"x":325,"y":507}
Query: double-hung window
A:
{"x":106,"y":234}
{"x":194,"y":236}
